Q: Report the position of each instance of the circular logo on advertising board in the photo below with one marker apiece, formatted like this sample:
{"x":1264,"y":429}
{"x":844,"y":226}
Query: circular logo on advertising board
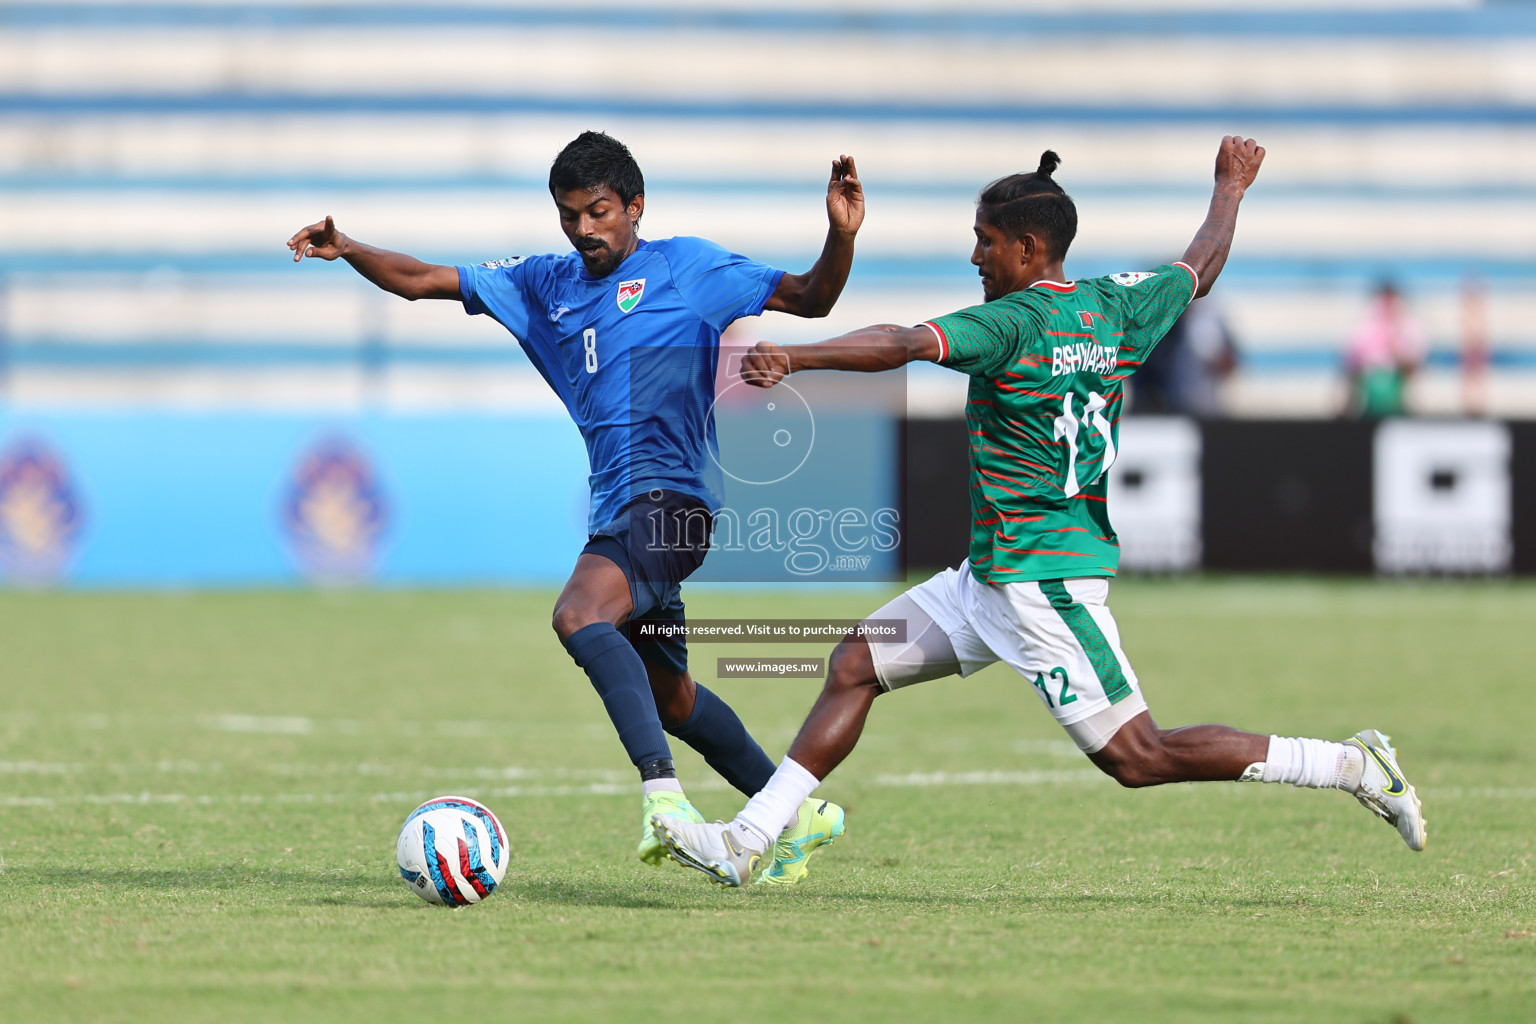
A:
{"x":40,"y":513}
{"x":335,"y":512}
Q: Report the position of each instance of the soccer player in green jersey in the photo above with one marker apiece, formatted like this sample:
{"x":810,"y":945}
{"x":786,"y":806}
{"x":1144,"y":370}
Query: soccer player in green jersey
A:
{"x":1048,"y":359}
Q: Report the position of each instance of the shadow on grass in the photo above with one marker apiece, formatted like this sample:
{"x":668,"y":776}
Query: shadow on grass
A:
{"x":287,"y":885}
{"x":1059,"y":902}
{"x":377,"y":891}
{"x":560,"y":892}
{"x":241,"y":884}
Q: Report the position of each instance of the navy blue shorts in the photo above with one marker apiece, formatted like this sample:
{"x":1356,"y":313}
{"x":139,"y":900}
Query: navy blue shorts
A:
{"x":659,"y":539}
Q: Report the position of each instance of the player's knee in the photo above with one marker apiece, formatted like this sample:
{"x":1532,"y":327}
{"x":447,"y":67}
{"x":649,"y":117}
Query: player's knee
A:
{"x":1134,"y":765}
{"x":1130,"y":774}
{"x":568,"y":617}
{"x":851,"y":668}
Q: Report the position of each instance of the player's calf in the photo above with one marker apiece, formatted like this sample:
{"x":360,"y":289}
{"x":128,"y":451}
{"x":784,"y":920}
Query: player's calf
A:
{"x":837,"y":719}
{"x":1139,"y":754}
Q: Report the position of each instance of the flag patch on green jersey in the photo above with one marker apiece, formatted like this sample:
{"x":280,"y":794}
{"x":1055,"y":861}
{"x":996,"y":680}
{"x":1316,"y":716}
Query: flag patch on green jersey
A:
{"x":629,"y":294}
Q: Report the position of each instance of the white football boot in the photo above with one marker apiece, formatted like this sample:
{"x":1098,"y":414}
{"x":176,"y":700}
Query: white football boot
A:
{"x":1384,"y":789}
{"x":711,"y":849}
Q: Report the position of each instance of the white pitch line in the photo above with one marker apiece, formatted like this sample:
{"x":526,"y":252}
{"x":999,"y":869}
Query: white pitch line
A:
{"x":992,"y":778}
{"x":292,"y":725}
{"x":204,"y":799}
{"x":40,"y":768}
{"x":283,"y":725}
{"x":303,"y":769}
{"x":627,"y":788}
{"x":1479,"y":793}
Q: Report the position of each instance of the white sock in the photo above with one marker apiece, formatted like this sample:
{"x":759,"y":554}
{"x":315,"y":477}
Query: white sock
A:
{"x":1314,"y":764}
{"x":775,"y":807}
{"x":650,"y":786}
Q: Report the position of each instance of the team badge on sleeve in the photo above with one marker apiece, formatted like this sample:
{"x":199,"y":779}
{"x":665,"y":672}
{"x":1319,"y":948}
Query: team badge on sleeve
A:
{"x":510,"y":261}
{"x":629,"y":294}
{"x":1127,"y":279}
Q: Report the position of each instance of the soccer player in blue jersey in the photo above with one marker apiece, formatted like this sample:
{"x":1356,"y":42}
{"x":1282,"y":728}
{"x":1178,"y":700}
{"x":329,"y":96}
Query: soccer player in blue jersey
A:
{"x":627,"y":332}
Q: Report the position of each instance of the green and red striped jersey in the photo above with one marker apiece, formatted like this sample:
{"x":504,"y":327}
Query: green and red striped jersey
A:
{"x":1048,"y":366}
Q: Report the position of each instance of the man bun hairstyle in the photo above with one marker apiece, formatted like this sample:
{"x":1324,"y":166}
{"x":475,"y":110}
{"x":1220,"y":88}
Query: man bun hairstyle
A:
{"x":1032,"y":204}
{"x":595,"y":159}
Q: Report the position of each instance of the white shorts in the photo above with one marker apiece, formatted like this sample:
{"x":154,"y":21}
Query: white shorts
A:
{"x":1057,"y":634}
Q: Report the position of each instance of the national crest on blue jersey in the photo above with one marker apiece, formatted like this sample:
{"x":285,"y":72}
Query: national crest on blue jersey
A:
{"x":335,"y":512}
{"x":40,"y":515}
{"x":591,"y":339}
{"x":629,"y":294}
{"x":1129,"y":278}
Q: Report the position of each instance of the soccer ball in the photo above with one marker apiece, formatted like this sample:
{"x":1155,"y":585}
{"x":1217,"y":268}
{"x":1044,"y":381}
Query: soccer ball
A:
{"x":452,"y":851}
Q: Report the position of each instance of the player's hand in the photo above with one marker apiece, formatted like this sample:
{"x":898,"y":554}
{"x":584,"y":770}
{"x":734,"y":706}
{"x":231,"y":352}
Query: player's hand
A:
{"x":765,"y":365}
{"x":321,"y":241}
{"x":845,"y":196}
{"x":1237,"y":163}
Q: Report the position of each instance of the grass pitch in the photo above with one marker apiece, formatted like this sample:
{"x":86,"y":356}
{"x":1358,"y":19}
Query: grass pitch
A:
{"x":199,"y":796}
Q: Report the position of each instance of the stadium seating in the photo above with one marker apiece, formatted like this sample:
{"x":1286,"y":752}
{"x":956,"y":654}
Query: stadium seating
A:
{"x":155,"y":156}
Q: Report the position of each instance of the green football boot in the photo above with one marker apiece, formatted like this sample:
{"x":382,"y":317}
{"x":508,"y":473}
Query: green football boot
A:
{"x":818,"y":824}
{"x":662,"y":805}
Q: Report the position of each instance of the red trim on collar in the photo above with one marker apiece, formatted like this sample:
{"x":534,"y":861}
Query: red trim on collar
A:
{"x":1056,"y":286}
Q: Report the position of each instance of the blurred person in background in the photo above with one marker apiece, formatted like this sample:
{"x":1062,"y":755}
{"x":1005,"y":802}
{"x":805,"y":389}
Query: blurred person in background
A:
{"x":1382,"y":355}
{"x":1183,"y":374}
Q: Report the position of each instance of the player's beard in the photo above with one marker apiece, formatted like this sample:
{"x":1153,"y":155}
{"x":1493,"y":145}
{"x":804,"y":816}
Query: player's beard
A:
{"x":600,"y":261}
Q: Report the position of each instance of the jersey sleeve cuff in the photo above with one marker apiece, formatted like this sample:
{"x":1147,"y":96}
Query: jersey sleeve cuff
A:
{"x":773,"y":286}
{"x":943,"y":341}
{"x":471,"y":299}
{"x":1192,"y":274}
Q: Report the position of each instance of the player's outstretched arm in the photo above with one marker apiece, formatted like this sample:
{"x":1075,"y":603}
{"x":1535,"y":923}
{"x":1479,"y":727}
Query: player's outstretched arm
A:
{"x":815,"y":292}
{"x":867,"y":350}
{"x":396,"y":272}
{"x":1237,"y":164}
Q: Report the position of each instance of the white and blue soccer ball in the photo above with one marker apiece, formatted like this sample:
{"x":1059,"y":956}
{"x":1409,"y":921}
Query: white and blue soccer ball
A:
{"x":452,"y":851}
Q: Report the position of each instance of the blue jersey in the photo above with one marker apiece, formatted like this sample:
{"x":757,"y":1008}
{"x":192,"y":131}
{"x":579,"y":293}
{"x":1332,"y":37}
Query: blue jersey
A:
{"x":632,"y":355}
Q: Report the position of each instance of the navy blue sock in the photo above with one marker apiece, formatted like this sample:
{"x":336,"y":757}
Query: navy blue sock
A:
{"x":618,"y":675}
{"x":714,"y":731}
